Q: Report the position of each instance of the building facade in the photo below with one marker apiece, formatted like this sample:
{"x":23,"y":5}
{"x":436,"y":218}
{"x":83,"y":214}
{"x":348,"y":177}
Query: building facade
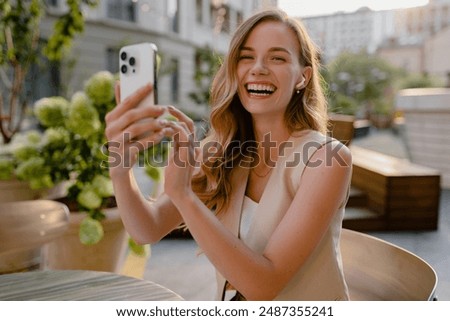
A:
{"x":422,"y":40}
{"x":178,"y":28}
{"x":418,"y":23}
{"x":362,"y":30}
{"x":416,"y":39}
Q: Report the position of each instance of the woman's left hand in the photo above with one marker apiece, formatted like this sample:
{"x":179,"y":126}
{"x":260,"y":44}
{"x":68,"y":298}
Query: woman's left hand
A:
{"x":182,"y":158}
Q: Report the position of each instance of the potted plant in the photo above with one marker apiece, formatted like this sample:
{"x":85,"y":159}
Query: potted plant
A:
{"x":71,"y":149}
{"x":20,"y":50}
{"x":382,"y":114}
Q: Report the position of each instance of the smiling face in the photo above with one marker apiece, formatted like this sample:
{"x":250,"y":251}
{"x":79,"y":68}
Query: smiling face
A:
{"x":268,"y":69}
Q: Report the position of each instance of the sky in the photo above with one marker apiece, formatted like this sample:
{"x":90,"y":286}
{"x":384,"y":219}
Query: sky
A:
{"x":302,"y":8}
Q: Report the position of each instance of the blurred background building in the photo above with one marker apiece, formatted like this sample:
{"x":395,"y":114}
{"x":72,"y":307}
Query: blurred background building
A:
{"x":416,"y":39}
{"x":179,"y":29}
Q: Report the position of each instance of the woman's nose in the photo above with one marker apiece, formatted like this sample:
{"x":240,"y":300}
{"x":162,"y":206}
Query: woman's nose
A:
{"x":259,"y":68}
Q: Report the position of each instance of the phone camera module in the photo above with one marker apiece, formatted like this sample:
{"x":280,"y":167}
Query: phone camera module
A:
{"x":124,"y":69}
{"x":132,"y":61}
{"x":123,"y":56}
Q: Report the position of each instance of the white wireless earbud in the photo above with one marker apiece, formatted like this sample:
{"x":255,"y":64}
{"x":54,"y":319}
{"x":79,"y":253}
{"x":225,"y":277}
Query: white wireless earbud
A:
{"x":300,"y":86}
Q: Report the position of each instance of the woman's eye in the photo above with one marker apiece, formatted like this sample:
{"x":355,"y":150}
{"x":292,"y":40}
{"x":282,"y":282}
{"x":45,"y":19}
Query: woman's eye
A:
{"x":278,"y":58}
{"x":245,"y":57}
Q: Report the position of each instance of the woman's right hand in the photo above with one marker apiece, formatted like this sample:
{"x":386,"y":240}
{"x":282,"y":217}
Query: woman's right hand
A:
{"x":130,"y":130}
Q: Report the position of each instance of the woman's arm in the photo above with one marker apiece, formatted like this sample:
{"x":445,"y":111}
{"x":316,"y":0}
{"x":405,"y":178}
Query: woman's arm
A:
{"x":130,"y":130}
{"x":146,"y":221}
{"x":261,"y":277}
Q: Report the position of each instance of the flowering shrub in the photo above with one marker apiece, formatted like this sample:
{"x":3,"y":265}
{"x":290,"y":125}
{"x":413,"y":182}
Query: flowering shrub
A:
{"x":71,"y":148}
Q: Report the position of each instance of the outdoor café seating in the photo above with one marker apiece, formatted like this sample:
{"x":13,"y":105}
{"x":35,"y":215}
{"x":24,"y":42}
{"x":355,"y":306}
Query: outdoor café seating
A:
{"x":376,"y":270}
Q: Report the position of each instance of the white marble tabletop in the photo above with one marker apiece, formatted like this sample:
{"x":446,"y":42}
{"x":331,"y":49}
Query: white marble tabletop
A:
{"x":69,"y":285}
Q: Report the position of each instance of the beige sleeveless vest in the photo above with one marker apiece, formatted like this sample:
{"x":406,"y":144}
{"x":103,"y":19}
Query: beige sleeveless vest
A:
{"x":321,"y":277}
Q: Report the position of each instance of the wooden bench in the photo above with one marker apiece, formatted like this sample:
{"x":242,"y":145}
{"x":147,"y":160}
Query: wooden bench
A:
{"x":399,"y":195}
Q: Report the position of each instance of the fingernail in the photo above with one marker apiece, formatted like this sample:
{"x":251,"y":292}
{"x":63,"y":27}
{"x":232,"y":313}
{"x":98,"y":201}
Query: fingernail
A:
{"x":167,"y":131}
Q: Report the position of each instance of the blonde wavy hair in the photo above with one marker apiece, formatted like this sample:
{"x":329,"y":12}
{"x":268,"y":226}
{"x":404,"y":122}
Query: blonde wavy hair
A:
{"x":231,"y":125}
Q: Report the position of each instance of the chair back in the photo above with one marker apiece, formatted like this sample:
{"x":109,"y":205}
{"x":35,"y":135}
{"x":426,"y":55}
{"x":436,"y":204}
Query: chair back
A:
{"x":376,"y":270}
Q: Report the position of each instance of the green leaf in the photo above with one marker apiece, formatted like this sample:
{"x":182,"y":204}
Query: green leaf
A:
{"x":140,"y":250}
{"x":33,"y":137}
{"x":6,"y":169}
{"x":57,"y":138}
{"x":91,"y":231}
{"x":89,"y":198}
{"x":44,"y":181}
{"x":25,"y":152}
{"x":83,"y":117}
{"x":100,"y":88}
{"x":31,"y":168}
{"x":153,"y":172}
{"x":51,"y":111}
{"x":103,"y":186}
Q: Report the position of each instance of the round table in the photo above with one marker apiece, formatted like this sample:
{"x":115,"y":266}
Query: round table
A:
{"x":76,"y":285}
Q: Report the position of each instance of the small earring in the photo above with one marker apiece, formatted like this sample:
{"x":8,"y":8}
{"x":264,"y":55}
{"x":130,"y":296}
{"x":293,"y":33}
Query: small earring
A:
{"x":298,"y":91}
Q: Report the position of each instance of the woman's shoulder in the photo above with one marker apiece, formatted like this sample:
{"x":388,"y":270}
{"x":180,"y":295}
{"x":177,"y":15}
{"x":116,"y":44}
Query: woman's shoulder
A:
{"x":311,"y":143}
{"x":315,"y":150}
{"x":308,"y":135}
{"x":313,"y":137}
{"x":307,"y":140}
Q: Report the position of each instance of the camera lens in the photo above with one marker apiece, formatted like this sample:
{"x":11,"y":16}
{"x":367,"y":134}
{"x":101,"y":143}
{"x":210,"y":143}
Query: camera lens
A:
{"x":124,"y":69}
{"x":123,"y":55}
{"x":132,"y":61}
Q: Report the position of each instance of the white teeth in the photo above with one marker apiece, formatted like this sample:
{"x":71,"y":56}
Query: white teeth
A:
{"x":260,"y":87}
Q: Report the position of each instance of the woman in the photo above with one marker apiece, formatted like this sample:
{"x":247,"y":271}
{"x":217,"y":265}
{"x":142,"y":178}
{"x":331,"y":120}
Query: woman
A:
{"x":264,"y":195}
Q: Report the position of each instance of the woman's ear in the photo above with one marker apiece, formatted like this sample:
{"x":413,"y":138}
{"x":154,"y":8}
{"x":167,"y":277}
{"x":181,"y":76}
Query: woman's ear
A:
{"x":304,"y":78}
{"x":306,"y":73}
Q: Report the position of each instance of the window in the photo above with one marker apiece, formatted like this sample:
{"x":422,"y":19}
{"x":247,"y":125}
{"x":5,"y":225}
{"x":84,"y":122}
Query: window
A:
{"x":43,"y":80}
{"x":220,"y":18}
{"x":121,"y":10}
{"x":112,"y":60}
{"x":52,"y":3}
{"x":174,"y":80}
{"x":173,"y":14}
{"x":225,"y":13}
{"x":239,"y":18}
{"x":199,"y":11}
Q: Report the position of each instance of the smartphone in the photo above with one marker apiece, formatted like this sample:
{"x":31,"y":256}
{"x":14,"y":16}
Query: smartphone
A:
{"x":138,"y":67}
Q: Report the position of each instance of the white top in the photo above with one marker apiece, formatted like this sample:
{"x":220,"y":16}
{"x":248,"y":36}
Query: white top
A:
{"x":247,"y":214}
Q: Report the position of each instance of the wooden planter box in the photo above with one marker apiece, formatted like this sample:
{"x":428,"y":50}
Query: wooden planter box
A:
{"x":342,"y":128}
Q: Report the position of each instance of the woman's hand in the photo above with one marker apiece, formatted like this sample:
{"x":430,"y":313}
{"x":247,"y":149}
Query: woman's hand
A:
{"x":182,"y":159}
{"x":130,"y":130}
